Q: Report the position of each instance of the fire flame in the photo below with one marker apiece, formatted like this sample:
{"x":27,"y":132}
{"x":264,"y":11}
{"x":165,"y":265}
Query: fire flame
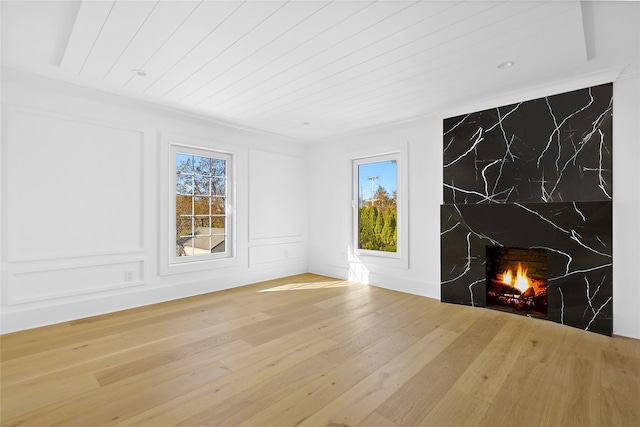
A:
{"x":520,"y":282}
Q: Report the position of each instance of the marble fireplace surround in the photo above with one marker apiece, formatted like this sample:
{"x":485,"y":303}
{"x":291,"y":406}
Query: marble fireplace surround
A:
{"x":533,"y":175}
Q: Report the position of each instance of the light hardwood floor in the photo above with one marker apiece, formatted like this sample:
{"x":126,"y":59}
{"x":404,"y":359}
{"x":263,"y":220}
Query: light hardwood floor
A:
{"x":314,"y":351}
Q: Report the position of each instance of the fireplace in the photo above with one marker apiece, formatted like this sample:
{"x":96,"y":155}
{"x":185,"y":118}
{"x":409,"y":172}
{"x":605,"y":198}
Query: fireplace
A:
{"x":517,"y":280}
{"x":526,"y":219}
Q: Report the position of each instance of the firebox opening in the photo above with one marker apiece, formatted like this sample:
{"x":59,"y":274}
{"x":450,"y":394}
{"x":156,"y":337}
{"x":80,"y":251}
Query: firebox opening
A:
{"x":517,"y":280}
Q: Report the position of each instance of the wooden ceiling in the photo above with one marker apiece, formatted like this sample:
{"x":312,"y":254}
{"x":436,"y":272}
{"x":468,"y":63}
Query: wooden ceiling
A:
{"x":303,"y":69}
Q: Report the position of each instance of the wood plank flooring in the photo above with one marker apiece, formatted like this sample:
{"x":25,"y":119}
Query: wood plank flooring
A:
{"x":310,"y":350}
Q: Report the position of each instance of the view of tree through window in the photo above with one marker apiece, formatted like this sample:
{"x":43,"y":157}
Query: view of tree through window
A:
{"x":200,"y":205}
{"x":377,"y":206}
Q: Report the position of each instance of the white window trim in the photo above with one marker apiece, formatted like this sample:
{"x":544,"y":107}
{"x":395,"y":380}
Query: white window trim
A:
{"x":229,"y":220}
{"x":400,"y":258}
{"x":169,"y":262}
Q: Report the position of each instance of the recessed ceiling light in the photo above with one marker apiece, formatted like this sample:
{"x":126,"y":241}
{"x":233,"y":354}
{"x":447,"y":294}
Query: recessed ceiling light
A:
{"x":505,"y":65}
{"x":138,"y":72}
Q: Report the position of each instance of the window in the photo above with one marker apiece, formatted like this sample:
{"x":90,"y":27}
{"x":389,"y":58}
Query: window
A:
{"x":202,"y":204}
{"x":376,"y":212}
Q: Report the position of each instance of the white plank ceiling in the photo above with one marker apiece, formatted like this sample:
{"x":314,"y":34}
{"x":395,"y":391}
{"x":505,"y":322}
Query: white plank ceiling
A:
{"x":304,"y":69}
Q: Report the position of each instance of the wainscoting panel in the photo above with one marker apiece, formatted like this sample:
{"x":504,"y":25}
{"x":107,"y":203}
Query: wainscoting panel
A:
{"x":47,"y":284}
{"x":268,"y":254}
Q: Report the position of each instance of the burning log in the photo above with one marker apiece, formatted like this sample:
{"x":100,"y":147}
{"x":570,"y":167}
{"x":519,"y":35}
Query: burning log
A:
{"x":529,"y":293}
{"x":499,"y":288}
{"x":510,"y":287}
{"x":496,"y":287}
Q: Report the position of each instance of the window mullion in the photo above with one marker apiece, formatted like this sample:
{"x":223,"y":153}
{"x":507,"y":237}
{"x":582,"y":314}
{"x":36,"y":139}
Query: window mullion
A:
{"x":376,"y":212}
{"x":201,"y":168}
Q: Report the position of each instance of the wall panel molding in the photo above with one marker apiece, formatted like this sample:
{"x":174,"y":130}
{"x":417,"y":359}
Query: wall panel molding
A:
{"x":65,"y":177}
{"x":274,"y":253}
{"x":47,"y":283}
{"x":274,"y":180}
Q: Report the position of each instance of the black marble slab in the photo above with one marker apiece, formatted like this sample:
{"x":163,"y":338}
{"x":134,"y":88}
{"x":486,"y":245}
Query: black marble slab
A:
{"x":576,"y":235}
{"x":552,"y":149}
{"x":536,"y":174}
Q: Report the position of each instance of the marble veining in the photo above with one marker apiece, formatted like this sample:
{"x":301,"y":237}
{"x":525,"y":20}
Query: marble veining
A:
{"x":579,"y":253}
{"x":535,"y":175}
{"x":551,"y":149}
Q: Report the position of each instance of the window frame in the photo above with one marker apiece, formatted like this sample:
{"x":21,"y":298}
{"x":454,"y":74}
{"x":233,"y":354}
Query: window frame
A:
{"x":228,"y":216}
{"x":169,"y":262}
{"x":399,"y":258}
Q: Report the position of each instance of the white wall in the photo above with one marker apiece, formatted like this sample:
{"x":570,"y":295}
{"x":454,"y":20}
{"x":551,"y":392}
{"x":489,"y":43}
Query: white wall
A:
{"x":330,"y":230}
{"x":626,"y":204}
{"x":330,"y":182}
{"x":81,"y":185}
